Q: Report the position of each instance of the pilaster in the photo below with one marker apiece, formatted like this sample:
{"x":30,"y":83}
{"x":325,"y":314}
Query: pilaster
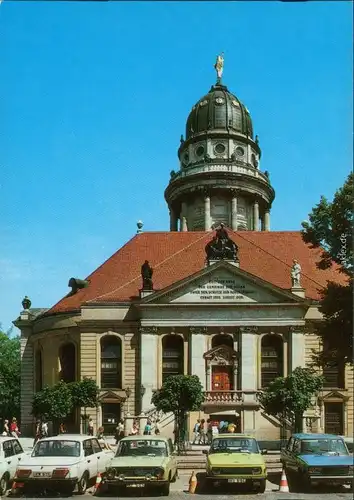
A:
{"x":149,"y":363}
{"x":27,"y":381}
{"x":197,"y":349}
{"x":297,"y":347}
{"x":249,"y":360}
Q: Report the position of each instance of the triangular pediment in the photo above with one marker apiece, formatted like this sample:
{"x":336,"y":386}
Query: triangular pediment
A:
{"x":112,"y":396}
{"x":222,"y":283}
{"x":222,"y":353}
{"x":334,"y":395}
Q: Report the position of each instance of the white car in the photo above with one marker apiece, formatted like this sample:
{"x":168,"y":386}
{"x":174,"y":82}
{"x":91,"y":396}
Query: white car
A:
{"x":61,"y":463}
{"x":11,"y":453}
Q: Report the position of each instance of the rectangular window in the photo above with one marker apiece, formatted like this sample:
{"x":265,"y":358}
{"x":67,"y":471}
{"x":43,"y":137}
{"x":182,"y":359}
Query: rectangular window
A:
{"x":110,"y":374}
{"x":333,"y":378}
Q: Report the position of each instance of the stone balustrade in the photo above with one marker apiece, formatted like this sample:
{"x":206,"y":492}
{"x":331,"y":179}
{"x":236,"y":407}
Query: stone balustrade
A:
{"x":235,"y":167}
{"x":230,"y":397}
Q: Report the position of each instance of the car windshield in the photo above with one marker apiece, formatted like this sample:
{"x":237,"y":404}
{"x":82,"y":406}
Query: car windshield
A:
{"x":145,"y":447}
{"x":323,"y":447}
{"x":56,"y":448}
{"x":234,"y":445}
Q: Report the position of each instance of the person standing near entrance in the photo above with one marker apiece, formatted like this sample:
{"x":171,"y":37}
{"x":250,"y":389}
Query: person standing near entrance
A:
{"x":119,"y":431}
{"x":90,"y":427}
{"x":196,"y":431}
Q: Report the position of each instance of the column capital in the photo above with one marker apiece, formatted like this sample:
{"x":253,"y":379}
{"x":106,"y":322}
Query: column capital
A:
{"x":235,"y":192}
{"x":298,"y":329}
{"x":248,"y":329}
{"x":198,"y":330}
{"x":148,"y":329}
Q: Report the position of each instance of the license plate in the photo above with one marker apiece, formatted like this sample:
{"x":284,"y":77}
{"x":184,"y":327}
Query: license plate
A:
{"x":42,"y":474}
{"x":136,"y":485}
{"x":236,"y":480}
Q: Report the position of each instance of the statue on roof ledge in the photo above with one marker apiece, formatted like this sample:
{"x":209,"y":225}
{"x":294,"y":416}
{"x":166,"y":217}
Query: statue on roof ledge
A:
{"x":295,"y":274}
{"x":146,"y":274}
{"x":26,"y":303}
{"x":219,"y":67}
{"x":221,"y":247}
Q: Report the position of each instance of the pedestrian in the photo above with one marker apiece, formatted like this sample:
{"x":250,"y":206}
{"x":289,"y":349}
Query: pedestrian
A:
{"x":44,"y":429}
{"x":90,"y":427}
{"x":135,"y":429}
{"x":157,"y":427}
{"x":196,"y":432}
{"x":100,"y":432}
{"x":62,"y":429}
{"x":119,"y":434}
{"x":203,"y":432}
{"x":147,"y":428}
{"x":14,"y":430}
{"x":209,"y":431}
{"x":6,"y":431}
{"x":231,"y":428}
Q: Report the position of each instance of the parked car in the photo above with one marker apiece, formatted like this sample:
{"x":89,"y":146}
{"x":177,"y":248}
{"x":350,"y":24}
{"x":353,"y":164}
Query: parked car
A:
{"x":11,"y":453}
{"x":142,"y":462}
{"x":62,"y":463}
{"x":236,"y":459}
{"x":317,"y":458}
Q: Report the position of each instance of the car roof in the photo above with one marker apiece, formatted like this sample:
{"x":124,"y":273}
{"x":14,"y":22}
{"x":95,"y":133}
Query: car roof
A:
{"x":6,"y":438}
{"x":232,"y":435}
{"x":68,"y":437}
{"x":302,"y":435}
{"x":146,"y":437}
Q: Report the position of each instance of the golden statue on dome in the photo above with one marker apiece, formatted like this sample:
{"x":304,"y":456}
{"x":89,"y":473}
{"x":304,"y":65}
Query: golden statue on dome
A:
{"x":219,"y":66}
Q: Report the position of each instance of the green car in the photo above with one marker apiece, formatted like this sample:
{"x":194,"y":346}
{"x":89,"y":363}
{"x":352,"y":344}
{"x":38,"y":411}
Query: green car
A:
{"x":236,"y":459}
{"x":147,"y":462}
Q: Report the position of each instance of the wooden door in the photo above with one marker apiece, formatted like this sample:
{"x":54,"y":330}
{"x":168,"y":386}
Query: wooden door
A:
{"x":221,"y":378}
{"x":334,"y":418}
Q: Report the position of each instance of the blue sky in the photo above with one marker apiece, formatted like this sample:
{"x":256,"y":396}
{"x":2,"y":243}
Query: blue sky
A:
{"x":95,"y":97}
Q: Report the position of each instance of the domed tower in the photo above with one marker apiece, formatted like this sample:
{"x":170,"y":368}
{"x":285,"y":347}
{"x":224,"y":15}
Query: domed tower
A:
{"x":219,"y":178}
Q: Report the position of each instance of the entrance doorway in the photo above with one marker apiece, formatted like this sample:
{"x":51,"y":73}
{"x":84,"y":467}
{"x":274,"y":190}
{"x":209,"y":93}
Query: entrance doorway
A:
{"x":221,"y":378}
{"x":334,"y":418}
{"x":111,"y":414}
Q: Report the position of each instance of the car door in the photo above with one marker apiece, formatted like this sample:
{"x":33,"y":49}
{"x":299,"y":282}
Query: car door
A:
{"x":293,"y":464}
{"x":18,"y":451}
{"x":285,"y":452}
{"x":100,"y":455}
{"x":90,"y":458}
{"x":11,"y":460}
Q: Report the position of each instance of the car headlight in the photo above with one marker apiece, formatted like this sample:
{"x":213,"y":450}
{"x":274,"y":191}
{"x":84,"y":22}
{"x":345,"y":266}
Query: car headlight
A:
{"x":315,"y":470}
{"x":110,"y":473}
{"x":215,"y":471}
{"x":351,"y":470}
{"x":159,"y":472}
{"x":257,"y":470}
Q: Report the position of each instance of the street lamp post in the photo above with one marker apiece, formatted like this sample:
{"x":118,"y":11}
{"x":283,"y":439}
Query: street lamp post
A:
{"x":128,"y":392}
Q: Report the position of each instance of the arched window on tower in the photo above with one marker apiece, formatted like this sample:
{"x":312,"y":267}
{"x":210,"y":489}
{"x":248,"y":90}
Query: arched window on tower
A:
{"x":222,"y":339}
{"x":111,"y":362}
{"x":67,"y":359}
{"x":271,"y":359}
{"x":38,"y":370}
{"x":172,"y":356}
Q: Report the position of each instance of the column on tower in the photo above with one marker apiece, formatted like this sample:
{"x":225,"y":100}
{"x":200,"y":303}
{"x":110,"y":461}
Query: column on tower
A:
{"x":262,"y":223}
{"x":184,"y":217}
{"x":173,"y":220}
{"x":255,"y":216}
{"x":234,"y":212}
{"x":207,"y":223}
{"x":267,"y":220}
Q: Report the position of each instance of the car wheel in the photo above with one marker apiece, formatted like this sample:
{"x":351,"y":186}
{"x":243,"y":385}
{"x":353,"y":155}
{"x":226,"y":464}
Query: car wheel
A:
{"x":4,"y":485}
{"x":165,"y":490}
{"x":262,"y":486}
{"x":82,"y":485}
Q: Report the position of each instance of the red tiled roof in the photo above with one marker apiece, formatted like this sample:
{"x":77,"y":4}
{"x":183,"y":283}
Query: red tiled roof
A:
{"x":177,"y":255}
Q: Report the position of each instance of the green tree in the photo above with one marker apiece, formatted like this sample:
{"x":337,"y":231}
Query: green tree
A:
{"x":85,"y":394}
{"x":330,"y":227}
{"x":289,"y":397}
{"x":53,"y":403}
{"x":179,"y":394}
{"x":10,"y":375}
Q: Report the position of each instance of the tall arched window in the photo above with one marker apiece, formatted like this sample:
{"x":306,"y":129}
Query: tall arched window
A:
{"x":271,"y":359}
{"x":39,"y":370}
{"x":333,"y":373}
{"x":67,"y":359}
{"x":111,"y":362}
{"x":172,"y":356}
{"x":222,"y":340}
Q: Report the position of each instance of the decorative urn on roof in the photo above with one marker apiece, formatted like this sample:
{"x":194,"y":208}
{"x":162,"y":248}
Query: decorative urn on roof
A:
{"x":26,"y":303}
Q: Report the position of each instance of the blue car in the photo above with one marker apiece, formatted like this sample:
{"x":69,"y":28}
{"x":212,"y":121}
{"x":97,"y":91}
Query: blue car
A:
{"x":310,"y":459}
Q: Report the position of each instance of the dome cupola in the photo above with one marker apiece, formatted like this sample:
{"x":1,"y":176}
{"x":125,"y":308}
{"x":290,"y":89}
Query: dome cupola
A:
{"x":219,"y":179}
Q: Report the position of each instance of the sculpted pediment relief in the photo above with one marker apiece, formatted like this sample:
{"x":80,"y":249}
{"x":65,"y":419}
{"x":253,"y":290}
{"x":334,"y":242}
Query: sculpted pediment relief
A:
{"x":222,"y":283}
{"x":221,"y":355}
{"x":112,"y":397}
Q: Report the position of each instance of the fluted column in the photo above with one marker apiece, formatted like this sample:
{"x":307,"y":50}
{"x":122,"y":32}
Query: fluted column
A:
{"x":173,"y":220}
{"x":267,"y":220}
{"x":255,"y":216}
{"x":207,"y":213}
{"x":234,"y":212}
{"x":184,"y":226}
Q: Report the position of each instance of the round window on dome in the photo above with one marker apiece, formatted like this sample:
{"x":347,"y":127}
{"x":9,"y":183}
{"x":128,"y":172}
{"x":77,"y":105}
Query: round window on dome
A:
{"x":200,"y":151}
{"x":240,"y":151}
{"x":220,"y":148}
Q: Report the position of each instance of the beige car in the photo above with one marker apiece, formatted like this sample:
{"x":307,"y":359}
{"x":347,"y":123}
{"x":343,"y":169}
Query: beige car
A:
{"x":142,"y":462}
